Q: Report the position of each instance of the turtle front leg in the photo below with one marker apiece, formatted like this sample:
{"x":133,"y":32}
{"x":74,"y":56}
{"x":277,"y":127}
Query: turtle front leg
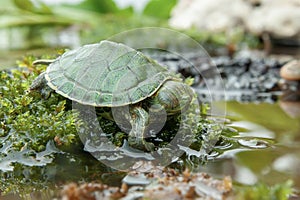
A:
{"x":139,"y":123}
{"x":40,"y":85}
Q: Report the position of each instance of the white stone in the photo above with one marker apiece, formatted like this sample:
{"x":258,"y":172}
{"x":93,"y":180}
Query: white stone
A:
{"x":280,"y":18}
{"x":212,"y":15}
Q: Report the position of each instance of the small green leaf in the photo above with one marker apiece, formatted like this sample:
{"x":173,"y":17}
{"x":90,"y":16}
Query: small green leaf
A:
{"x":35,"y":7}
{"x":159,"y":8}
{"x":103,"y":6}
{"x":24,"y":4}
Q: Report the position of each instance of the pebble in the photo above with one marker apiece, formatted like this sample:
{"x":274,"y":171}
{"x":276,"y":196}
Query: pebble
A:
{"x":291,"y":108}
{"x":247,"y":76}
{"x":291,"y":71}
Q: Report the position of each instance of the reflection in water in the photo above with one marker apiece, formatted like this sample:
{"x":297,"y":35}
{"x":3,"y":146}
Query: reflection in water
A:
{"x":290,"y":103}
{"x":274,"y":163}
{"x":292,"y":108}
{"x":245,"y":175}
{"x":266,"y":149}
{"x":288,"y":163}
{"x":290,"y":84}
{"x":252,"y":129}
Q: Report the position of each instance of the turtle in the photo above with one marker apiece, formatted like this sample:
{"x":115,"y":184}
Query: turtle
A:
{"x":110,"y":74}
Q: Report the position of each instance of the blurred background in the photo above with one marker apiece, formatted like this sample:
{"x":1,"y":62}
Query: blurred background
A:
{"x":233,"y":24}
{"x":248,"y":40}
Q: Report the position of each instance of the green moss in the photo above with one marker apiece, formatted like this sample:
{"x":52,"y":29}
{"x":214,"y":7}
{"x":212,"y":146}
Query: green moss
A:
{"x":27,"y":121}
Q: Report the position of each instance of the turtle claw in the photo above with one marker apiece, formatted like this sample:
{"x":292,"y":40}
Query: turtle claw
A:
{"x":140,"y":144}
{"x":149,"y":146}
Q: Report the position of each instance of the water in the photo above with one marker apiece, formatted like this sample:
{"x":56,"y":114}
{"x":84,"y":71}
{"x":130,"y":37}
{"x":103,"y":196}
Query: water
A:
{"x":273,"y":138}
{"x":268,"y":151}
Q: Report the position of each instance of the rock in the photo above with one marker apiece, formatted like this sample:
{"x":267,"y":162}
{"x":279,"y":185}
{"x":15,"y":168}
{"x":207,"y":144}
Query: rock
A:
{"x":291,"y":108}
{"x":276,"y":17}
{"x":291,"y":71}
{"x":290,"y":103}
{"x":211,"y":15}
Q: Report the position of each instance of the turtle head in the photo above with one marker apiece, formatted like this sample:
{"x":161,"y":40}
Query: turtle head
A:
{"x":173,"y":97}
{"x":40,"y":85}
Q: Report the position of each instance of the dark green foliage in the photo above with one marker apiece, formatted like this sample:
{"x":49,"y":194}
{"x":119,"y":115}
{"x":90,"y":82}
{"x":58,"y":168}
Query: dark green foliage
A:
{"x":37,"y":7}
{"x":103,"y":6}
{"x":159,"y":8}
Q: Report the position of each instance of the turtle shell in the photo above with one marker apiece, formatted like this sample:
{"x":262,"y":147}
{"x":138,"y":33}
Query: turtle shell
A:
{"x":106,"y":74}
